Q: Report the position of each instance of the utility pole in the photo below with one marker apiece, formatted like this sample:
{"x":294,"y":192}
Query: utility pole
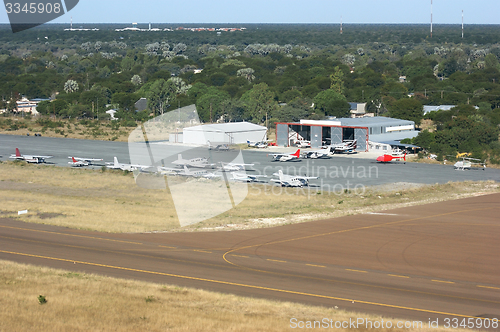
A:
{"x":431,"y":18}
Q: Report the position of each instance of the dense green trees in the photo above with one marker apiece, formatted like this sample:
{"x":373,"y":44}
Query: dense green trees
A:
{"x":273,"y":72}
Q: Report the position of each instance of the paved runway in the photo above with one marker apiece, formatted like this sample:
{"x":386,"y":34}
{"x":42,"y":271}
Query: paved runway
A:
{"x":435,"y":261}
{"x":335,"y":174}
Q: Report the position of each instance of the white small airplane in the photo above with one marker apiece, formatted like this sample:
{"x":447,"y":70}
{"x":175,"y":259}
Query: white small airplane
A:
{"x":259,"y":145}
{"x":78,"y":162}
{"x":345,"y":146}
{"x":242,"y":177}
{"x":126,"y":167}
{"x":218,"y":146}
{"x":285,"y":156}
{"x":197,"y":174}
{"x":195,"y":162}
{"x":316,"y":154}
{"x":29,"y":158}
{"x":292,"y":180}
{"x":303,"y":144}
{"x":232,"y":167}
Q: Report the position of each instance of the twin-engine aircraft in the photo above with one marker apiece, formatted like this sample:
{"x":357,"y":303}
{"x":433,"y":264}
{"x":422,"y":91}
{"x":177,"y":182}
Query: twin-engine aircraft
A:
{"x":285,"y":156}
{"x":242,"y":177}
{"x":195,"y":162}
{"x":259,"y":145}
{"x":29,"y":158}
{"x":233,"y":167}
{"x":292,"y":180}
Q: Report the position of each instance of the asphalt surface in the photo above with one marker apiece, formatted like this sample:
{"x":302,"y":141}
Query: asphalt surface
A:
{"x":335,"y":174}
{"x":425,"y":262}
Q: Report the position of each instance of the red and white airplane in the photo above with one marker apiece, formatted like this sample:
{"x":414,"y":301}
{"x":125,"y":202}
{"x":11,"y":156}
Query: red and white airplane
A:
{"x":387,"y":158}
{"x":285,"y":156}
{"x":29,"y":158}
{"x":79,"y":162}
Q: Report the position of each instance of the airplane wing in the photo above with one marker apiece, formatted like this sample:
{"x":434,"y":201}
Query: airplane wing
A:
{"x":89,"y":160}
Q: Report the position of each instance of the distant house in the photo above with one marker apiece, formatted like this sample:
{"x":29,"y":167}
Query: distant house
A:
{"x":359,"y":110}
{"x":429,"y":108}
{"x":26,"y":105}
{"x":141,"y":104}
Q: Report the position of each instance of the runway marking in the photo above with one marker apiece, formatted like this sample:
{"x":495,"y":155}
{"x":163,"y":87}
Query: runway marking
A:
{"x":206,"y":252}
{"x":356,"y":270}
{"x":276,"y":260}
{"x":346,"y":231}
{"x":489,"y":287}
{"x":382,"y":214}
{"x":444,"y":281}
{"x":315,"y":265}
{"x":240,"y":256}
{"x":240,"y":285}
{"x":84,"y":236}
{"x":398,"y":276}
{"x":167,"y":247}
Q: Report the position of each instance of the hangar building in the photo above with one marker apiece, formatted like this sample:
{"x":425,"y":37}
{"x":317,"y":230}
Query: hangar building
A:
{"x":232,"y":133}
{"x":374,"y":129}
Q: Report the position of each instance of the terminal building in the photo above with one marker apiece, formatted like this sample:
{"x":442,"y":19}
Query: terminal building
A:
{"x":368,"y":131}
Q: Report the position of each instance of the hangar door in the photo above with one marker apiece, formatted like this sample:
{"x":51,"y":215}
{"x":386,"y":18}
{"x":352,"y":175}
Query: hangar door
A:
{"x":360,"y":135}
{"x":316,"y":136}
{"x":336,"y":135}
{"x":282,"y":134}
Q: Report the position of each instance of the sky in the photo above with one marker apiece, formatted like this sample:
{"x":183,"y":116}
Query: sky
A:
{"x":281,"y":11}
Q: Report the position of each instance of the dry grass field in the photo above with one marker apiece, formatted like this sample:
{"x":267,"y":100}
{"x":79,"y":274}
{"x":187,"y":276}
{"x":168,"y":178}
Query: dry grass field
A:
{"x":86,"y":302}
{"x":110,"y":201}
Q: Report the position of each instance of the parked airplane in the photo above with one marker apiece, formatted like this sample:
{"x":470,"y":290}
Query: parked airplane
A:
{"x":246,"y":177}
{"x":199,"y":173}
{"x":292,"y":180}
{"x":29,"y":158}
{"x":89,"y":161}
{"x":303,"y":144}
{"x":285,"y":156}
{"x":195,"y":162}
{"x":218,"y":146}
{"x":231,"y":167}
{"x":259,"y":145}
{"x":345,"y":146}
{"x":387,"y":158}
{"x":127,"y":167}
{"x":77,"y":163}
{"x":468,"y":163}
{"x":315,"y":154}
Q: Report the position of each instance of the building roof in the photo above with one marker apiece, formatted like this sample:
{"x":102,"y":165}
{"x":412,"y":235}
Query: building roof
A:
{"x":373,"y":121}
{"x":230,"y":127}
{"x":394,"y":136}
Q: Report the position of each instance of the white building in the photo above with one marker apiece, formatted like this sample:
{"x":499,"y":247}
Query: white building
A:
{"x":232,"y":133}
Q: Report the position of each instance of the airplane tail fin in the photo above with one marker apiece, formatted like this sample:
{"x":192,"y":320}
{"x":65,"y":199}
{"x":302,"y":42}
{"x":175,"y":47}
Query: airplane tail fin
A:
{"x":280,"y":174}
{"x":73,"y":158}
{"x":404,"y":157}
{"x":18,"y":154}
{"x":116,"y":162}
{"x":297,"y":153}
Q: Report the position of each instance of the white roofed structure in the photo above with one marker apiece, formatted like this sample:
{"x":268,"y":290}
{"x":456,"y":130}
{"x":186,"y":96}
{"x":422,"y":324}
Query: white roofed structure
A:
{"x":232,"y":133}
